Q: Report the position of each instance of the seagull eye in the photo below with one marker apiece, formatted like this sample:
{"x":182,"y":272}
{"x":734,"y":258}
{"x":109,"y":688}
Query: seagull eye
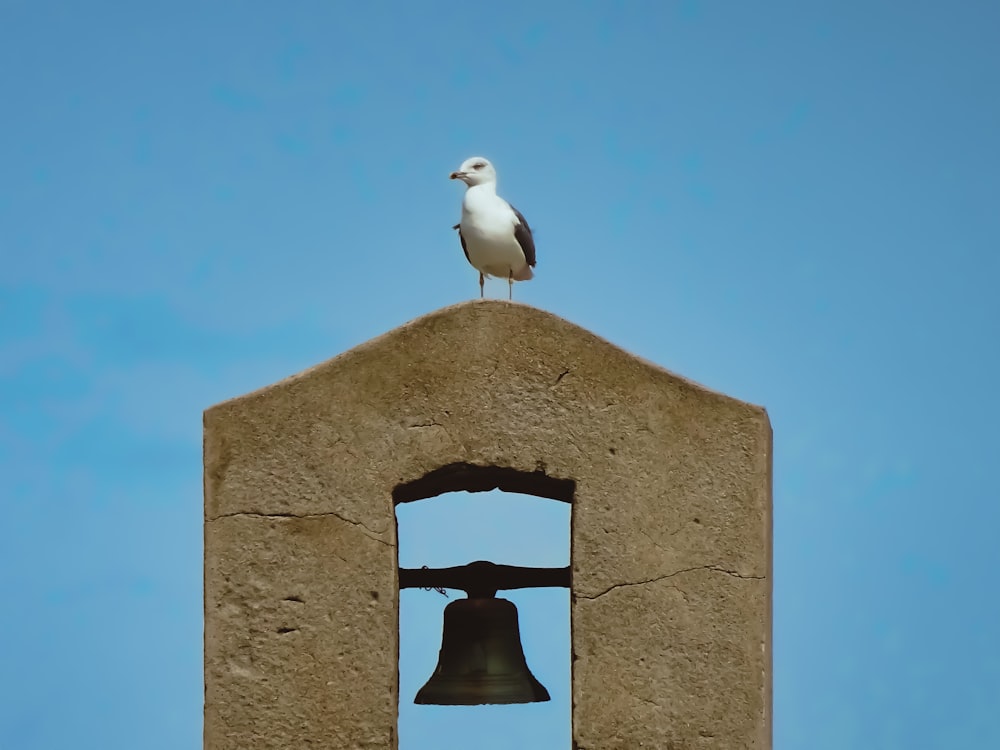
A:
{"x":480,"y":165}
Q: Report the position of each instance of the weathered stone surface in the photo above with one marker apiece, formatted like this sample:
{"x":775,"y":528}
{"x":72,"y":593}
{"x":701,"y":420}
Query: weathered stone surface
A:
{"x":671,"y":529}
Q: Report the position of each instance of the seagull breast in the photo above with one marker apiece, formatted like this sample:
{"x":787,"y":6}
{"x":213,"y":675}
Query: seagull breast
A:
{"x":489,"y":229}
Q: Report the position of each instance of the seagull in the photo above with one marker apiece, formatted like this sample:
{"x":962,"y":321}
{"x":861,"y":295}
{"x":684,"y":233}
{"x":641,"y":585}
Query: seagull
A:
{"x":495,"y":236}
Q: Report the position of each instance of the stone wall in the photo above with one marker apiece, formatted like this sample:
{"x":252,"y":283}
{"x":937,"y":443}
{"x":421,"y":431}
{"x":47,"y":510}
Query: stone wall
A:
{"x":671,"y":531}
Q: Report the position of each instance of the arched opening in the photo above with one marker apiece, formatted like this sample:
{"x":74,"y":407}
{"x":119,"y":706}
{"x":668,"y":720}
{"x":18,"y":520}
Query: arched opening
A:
{"x":472,"y":513}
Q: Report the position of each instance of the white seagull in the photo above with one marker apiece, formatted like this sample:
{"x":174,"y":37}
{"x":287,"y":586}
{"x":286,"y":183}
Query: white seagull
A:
{"x":495,"y":236}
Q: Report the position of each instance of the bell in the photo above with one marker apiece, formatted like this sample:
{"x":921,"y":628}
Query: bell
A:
{"x":481,"y":659}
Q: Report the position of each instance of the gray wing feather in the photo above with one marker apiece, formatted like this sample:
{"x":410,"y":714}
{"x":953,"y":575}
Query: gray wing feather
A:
{"x":462,"y":240}
{"x":522,"y":233}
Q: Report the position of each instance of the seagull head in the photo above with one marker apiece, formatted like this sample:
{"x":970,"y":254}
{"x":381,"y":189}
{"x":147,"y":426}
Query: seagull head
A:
{"x":475,"y":171}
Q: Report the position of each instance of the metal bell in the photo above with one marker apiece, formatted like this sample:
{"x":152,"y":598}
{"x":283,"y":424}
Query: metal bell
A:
{"x":481,"y":659}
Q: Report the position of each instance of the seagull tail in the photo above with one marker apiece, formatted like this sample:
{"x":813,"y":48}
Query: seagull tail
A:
{"x":524,"y":274}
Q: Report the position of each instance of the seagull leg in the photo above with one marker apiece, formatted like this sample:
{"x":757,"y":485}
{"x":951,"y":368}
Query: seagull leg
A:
{"x":480,"y":285}
{"x":510,"y":284}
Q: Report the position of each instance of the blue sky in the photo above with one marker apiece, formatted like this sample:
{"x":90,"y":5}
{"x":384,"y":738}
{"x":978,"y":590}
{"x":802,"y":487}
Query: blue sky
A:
{"x":791,"y":202}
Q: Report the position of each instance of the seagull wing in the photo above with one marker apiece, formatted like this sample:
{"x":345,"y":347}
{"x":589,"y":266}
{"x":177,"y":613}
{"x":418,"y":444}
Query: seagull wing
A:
{"x":522,"y":233}
{"x":462,"y":240}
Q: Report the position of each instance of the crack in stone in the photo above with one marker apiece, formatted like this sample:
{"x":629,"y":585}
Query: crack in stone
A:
{"x":734,"y":573}
{"x":370,"y":533}
{"x":680,"y":591}
{"x":669,"y":534}
{"x":716,"y":568}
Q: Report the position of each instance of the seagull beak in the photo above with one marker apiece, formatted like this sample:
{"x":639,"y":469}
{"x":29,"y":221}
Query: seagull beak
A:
{"x":456,"y":175}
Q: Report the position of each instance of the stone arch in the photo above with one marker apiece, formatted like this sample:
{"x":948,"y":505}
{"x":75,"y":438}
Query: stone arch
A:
{"x":459,"y":476}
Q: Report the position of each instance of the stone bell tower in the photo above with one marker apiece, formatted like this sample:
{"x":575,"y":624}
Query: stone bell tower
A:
{"x":670,"y":492}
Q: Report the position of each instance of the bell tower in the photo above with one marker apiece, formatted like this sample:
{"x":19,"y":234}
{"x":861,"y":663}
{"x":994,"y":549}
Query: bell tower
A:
{"x":669,"y":486}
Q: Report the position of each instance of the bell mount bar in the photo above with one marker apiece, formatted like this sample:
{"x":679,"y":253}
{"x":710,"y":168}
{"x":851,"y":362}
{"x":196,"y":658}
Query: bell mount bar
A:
{"x":484,"y":579}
